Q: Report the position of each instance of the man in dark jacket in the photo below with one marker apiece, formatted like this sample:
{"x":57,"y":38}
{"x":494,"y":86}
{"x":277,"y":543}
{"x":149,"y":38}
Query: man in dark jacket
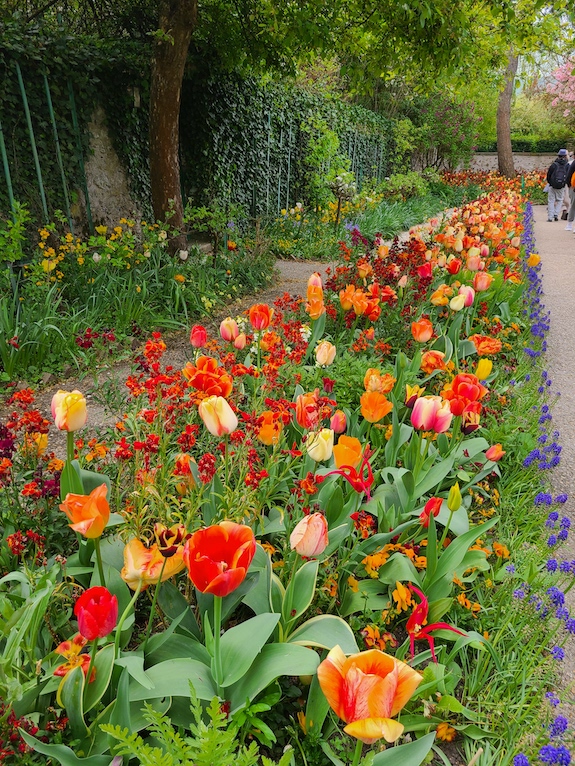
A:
{"x":556,"y":180}
{"x":569,"y":184}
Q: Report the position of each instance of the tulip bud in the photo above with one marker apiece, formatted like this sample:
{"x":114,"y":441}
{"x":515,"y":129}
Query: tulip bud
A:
{"x":325,"y":353}
{"x":240,"y":342}
{"x":468,"y":293}
{"x":494,"y":453}
{"x":198,"y":336}
{"x":69,"y":410}
{"x":454,"y":498}
{"x":403,"y":281}
{"x":310,"y":536}
{"x":457,"y":303}
{"x":320,"y":444}
{"x":229,"y":329}
{"x":218,"y":416}
{"x":484,"y":367}
{"x":338,"y":422}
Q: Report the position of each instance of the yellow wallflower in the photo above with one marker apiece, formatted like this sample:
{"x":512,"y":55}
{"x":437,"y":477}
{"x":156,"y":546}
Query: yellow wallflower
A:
{"x":402,"y":597}
{"x":180,"y":278}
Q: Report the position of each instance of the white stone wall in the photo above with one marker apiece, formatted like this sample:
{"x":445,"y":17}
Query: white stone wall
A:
{"x":522,"y":161}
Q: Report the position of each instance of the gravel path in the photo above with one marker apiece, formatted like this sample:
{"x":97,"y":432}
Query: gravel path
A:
{"x":557,"y":250}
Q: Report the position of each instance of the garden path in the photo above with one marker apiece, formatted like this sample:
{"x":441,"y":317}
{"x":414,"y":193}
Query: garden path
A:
{"x":557,"y":250}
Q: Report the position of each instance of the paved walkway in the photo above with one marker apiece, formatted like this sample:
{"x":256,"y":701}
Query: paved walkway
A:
{"x":557,"y":250}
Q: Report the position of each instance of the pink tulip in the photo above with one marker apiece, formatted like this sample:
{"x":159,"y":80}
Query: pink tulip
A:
{"x":315,"y":280}
{"x":468,"y":294}
{"x":229,"y":329}
{"x":494,"y":452}
{"x":310,"y":537}
{"x":240,"y":341}
{"x":338,"y":422}
{"x":482,"y":281}
{"x":473,"y":263}
{"x":431,"y":413}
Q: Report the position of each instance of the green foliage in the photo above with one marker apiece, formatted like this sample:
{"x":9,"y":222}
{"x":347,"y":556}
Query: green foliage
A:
{"x":246,"y":141}
{"x":214,"y":743}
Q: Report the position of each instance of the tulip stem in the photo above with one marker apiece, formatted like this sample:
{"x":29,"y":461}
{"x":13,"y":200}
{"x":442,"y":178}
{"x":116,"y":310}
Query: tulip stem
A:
{"x":70,"y":446}
{"x":217,"y":669}
{"x":92,"y":663}
{"x":357,"y":753}
{"x":99,"y":560}
{"x":446,"y":530}
{"x":123,"y":619}
{"x":226,"y":444}
{"x":153,"y":607}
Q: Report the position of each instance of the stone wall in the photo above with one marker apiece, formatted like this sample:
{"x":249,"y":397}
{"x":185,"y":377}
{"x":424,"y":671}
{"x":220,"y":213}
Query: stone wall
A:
{"x":522,"y":161}
{"x":106,"y":179}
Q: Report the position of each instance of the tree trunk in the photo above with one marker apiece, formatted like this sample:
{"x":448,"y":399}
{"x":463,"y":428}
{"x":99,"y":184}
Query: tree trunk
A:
{"x":177,"y":19}
{"x":504,"y":151}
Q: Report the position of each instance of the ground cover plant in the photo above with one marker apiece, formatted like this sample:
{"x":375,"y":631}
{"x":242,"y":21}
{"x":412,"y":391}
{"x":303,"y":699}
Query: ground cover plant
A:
{"x":328,"y":538}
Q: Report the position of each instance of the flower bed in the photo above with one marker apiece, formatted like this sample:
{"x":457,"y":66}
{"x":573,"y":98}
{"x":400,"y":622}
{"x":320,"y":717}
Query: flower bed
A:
{"x":324,"y":531}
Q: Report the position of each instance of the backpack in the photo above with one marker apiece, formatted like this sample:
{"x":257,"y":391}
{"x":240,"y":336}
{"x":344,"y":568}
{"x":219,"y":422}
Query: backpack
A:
{"x":559,"y":175}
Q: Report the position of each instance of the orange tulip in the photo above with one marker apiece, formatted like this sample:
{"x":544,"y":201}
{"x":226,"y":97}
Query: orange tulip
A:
{"x":495,"y":452}
{"x":347,"y":451}
{"x":89,"y":514}
{"x":260,"y":315}
{"x":366,"y":690}
{"x":482,"y":281}
{"x":207,"y":376}
{"x":375,"y":381}
{"x":315,"y":306}
{"x":346,"y":297}
{"x":484,"y":345}
{"x":307,"y":409}
{"x":338,"y":422}
{"x":360,"y":303}
{"x":422,"y":330}
{"x":145,"y":564}
{"x":432,"y":360}
{"x":374,"y":406}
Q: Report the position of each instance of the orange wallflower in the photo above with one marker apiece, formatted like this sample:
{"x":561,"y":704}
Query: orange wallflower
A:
{"x":366,"y":690}
{"x":374,"y":406}
{"x":89,"y":514}
{"x":270,"y":427}
{"x":207,"y":376}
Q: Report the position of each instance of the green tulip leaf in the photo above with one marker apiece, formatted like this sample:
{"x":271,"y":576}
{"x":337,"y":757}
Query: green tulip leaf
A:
{"x":134,"y":664}
{"x":239,"y":646}
{"x":273,"y":661}
{"x":161,"y":648}
{"x":300,"y":591}
{"x":398,"y":567}
{"x":325,"y":631}
{"x":175,"y":607}
{"x":70,"y":481}
{"x":317,"y":707}
{"x":258,"y":598}
{"x":412,"y":754}
{"x":172,"y":678}
{"x":64,"y":755}
{"x":370,"y":595}
{"x":70,"y":697}
{"x":103,"y":663}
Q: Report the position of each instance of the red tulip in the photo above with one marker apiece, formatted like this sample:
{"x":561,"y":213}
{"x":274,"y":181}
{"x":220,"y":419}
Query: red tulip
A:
{"x":260,"y":315}
{"x":97,"y":612}
{"x":433,"y":506}
{"x":218,"y":557}
{"x":415,"y":625}
{"x":198,"y":336}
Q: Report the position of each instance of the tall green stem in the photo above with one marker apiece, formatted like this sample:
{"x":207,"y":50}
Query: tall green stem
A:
{"x":357,"y":753}
{"x":445,"y":531}
{"x":99,"y":560}
{"x":217,"y":665}
{"x":70,"y":446}
{"x":153,"y":607}
{"x":226,"y":454}
{"x":120,"y":624}
{"x":92,"y":663}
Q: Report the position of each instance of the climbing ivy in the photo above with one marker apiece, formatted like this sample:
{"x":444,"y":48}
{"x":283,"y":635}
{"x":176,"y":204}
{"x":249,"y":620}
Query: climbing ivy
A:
{"x":254,"y":143}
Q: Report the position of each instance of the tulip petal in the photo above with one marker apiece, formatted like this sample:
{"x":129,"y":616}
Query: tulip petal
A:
{"x":369,"y":730}
{"x":331,"y":680}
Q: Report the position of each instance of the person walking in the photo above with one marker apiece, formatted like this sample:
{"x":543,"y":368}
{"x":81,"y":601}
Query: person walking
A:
{"x":569,"y":184}
{"x":556,"y":179}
